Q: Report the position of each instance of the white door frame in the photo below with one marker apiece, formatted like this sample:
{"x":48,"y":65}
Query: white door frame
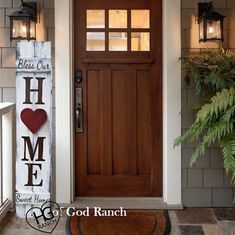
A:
{"x":64,"y":101}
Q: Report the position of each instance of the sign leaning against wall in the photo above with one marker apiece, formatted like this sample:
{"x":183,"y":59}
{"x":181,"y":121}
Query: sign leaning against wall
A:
{"x":33,"y":124}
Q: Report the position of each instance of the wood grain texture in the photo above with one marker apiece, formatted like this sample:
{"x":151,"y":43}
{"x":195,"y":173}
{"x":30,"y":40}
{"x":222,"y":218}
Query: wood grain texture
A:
{"x":144,"y":122}
{"x":99,"y":122}
{"x":119,"y":152}
{"x":124,"y":122}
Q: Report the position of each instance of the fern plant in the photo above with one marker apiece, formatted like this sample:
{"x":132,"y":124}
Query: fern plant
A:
{"x":213,"y":74}
{"x":215,"y":121}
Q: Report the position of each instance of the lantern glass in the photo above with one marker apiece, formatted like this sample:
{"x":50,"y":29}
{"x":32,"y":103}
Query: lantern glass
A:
{"x":32,"y":29}
{"x":213,"y":29}
{"x":201,"y":30}
{"x":19,"y":28}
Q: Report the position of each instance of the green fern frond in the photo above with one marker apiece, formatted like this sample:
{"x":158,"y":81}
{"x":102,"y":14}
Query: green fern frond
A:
{"x":228,"y":149}
{"x":216,"y":120}
{"x":215,"y":133}
{"x":219,"y":103}
{"x":229,"y":115}
{"x":200,"y":150}
{"x":211,"y":71}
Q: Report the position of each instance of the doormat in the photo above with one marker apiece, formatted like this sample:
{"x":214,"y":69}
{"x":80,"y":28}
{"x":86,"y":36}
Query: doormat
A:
{"x":137,"y":222}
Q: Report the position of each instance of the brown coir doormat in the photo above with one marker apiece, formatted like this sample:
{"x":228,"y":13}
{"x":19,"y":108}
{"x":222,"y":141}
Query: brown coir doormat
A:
{"x":137,"y":222}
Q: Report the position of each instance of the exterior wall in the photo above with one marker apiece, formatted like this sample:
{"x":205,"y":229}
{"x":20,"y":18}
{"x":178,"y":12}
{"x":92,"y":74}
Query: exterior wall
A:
{"x":205,"y":184}
{"x":45,"y":31}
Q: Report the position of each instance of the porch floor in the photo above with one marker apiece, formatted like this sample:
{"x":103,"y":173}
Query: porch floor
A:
{"x":199,"y":221}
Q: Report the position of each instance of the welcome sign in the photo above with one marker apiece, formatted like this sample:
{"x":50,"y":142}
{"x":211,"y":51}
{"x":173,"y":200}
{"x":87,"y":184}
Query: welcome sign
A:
{"x":33,"y":124}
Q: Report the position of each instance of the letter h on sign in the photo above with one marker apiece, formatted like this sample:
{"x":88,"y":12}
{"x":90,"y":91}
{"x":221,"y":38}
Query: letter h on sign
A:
{"x":28,"y":90}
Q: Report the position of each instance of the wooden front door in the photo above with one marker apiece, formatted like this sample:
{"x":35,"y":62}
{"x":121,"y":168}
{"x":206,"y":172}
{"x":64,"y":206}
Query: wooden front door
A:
{"x":118,"y":50}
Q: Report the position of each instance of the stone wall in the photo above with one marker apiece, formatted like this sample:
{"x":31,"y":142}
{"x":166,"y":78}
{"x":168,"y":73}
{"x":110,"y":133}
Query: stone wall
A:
{"x":206,"y":184}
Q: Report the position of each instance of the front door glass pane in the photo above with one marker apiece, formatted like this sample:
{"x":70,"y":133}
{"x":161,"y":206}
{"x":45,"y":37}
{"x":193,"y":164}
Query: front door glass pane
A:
{"x":140,"y":19}
{"x":140,"y":41}
{"x":95,"y":41}
{"x":95,"y":18}
{"x":118,"y":41}
{"x":118,"y":19}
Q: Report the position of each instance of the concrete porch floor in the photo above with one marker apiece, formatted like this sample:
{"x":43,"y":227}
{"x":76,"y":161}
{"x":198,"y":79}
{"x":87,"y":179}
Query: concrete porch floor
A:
{"x":191,"y":221}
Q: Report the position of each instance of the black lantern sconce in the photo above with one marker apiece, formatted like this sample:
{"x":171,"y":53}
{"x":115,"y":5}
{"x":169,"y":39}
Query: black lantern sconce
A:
{"x":211,"y":23}
{"x":23,"y":22}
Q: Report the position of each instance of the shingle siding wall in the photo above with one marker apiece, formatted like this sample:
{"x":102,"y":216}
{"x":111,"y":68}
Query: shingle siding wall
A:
{"x":45,"y":31}
{"x":206,"y":184}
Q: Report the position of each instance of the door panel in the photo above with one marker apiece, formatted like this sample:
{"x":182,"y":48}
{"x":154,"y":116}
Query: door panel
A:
{"x":124,"y":123}
{"x":99,"y":122}
{"x":119,"y":152}
{"x":144,"y":122}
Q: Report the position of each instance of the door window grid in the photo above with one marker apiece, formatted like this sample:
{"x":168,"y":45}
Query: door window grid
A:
{"x":118,"y":30}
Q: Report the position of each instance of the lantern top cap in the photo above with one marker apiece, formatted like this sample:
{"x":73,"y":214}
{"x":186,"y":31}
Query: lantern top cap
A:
{"x":28,"y":10}
{"x":207,"y":11}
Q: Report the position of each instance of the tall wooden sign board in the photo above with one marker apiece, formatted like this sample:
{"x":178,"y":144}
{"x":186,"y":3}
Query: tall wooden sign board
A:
{"x":33,"y":124}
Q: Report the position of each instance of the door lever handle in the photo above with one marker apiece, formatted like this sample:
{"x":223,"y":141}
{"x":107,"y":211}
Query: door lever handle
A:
{"x":78,"y":117}
{"x":78,"y":111}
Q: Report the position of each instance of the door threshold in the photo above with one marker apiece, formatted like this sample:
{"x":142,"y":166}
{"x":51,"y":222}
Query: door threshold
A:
{"x":125,"y":202}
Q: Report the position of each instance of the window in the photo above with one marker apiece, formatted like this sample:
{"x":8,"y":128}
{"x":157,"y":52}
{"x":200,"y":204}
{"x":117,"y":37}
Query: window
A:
{"x":140,"y":19}
{"x":118,"y":30}
{"x":95,"y":41}
{"x":95,"y":19}
{"x":140,"y":41}
{"x":118,"y":41}
{"x":118,"y":19}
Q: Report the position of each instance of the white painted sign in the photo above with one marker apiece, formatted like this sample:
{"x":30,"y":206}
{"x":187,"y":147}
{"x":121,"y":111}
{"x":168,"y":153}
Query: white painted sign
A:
{"x":33,"y":124}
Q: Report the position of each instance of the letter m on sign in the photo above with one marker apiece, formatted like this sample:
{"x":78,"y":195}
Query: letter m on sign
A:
{"x":32,"y":151}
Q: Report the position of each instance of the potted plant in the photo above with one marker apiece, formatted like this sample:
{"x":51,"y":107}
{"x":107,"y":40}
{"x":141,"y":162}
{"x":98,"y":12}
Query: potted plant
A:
{"x":213,"y":76}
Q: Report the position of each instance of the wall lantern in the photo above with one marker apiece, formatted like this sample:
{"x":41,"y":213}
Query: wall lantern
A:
{"x":210,"y":23}
{"x":23,"y":22}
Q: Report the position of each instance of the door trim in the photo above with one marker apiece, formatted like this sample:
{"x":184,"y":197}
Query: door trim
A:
{"x":64,"y":103}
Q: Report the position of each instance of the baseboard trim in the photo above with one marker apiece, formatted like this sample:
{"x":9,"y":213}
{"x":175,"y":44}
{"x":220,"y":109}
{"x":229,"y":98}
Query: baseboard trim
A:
{"x":125,"y":202}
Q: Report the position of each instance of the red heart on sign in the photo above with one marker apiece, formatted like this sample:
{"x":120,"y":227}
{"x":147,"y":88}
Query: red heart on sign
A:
{"x":33,"y":119}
